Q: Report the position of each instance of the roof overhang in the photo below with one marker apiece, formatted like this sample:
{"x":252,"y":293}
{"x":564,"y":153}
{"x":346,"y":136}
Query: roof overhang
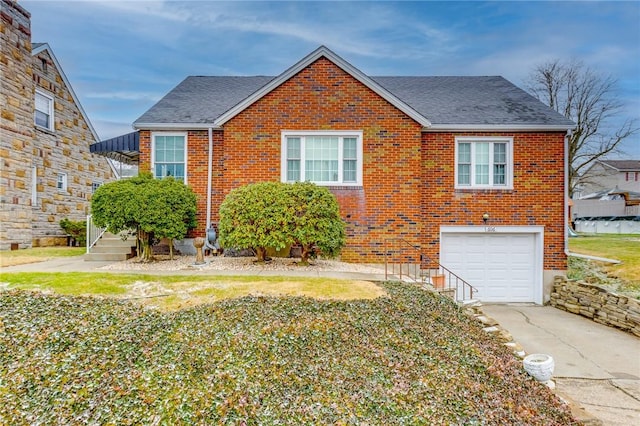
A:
{"x":497,"y":128}
{"x":175,"y":126}
{"x":124,"y":148}
{"x":320,"y":52}
{"x":605,"y":164}
{"x":45,"y":46}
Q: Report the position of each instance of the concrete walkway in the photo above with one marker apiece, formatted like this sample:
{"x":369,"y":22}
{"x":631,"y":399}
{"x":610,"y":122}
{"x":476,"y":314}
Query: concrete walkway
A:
{"x":78,"y":264}
{"x":596,"y":366}
{"x":59,"y":264}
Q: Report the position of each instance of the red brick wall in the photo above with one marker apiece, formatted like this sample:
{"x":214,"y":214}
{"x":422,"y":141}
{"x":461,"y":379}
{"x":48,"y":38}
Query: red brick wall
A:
{"x":197,"y":169}
{"x":322,"y":96}
{"x":537,"y":197}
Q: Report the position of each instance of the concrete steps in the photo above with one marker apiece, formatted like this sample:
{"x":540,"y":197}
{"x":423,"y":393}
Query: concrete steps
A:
{"x":112,"y":248}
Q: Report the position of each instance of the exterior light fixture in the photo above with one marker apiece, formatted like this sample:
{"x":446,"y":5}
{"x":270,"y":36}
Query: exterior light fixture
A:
{"x":485,"y":217}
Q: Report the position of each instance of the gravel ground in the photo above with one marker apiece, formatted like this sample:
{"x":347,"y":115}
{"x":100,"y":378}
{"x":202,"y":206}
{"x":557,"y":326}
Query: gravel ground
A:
{"x":222,"y":263}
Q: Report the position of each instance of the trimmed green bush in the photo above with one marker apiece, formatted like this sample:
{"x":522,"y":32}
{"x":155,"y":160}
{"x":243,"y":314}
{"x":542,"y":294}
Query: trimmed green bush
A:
{"x":256,"y":216}
{"x":155,"y":208}
{"x":274,"y":215}
{"x":76,"y":230}
{"x":317,"y":222}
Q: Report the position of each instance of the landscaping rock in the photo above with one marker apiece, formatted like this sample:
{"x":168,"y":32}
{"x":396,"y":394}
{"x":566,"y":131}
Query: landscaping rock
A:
{"x":596,"y":303}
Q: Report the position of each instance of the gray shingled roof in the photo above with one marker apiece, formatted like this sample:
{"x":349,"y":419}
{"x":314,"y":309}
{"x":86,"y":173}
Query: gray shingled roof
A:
{"x":442,"y":100}
{"x":471,"y":100}
{"x":202,"y":99}
{"x":623,"y":165}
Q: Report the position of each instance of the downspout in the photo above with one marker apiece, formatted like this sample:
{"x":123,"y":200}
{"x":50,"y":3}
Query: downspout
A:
{"x":566,"y":194}
{"x":209,"y":177}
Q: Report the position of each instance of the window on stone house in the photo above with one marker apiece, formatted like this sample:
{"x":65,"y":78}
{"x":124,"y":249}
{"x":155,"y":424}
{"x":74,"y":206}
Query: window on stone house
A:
{"x":43,"y":116}
{"x":483,"y":162}
{"x":62,"y":182}
{"x":322,"y":157}
{"x":34,"y":186}
{"x":95,"y":186}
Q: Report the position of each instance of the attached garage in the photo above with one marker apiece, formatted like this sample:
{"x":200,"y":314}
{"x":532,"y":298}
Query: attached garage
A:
{"x":504,"y":264}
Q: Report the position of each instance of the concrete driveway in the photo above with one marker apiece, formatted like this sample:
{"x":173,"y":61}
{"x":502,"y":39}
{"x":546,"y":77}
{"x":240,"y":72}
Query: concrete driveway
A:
{"x":597,"y":366}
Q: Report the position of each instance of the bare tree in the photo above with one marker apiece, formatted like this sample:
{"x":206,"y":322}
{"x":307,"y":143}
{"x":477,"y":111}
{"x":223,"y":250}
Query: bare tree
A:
{"x":588,"y":98}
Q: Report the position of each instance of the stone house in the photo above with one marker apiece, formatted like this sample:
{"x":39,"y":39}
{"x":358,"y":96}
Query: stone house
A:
{"x":469,"y":171}
{"x":47,"y":172}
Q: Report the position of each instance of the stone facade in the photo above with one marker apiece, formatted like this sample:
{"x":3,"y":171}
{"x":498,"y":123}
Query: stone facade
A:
{"x":408,"y":187}
{"x":594,"y":302}
{"x":47,"y":174}
{"x":17,"y":131}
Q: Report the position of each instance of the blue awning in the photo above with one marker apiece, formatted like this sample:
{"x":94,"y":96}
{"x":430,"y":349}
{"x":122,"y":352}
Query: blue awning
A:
{"x":125,"y":148}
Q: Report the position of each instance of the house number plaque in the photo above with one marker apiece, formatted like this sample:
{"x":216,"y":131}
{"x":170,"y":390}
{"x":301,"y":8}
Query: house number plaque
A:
{"x":489,"y":229}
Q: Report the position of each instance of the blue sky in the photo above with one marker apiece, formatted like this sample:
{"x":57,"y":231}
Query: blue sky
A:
{"x":122,"y":57}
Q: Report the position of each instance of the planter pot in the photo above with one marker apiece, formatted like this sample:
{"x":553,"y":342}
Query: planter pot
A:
{"x":539,"y":366}
{"x":438,"y":281}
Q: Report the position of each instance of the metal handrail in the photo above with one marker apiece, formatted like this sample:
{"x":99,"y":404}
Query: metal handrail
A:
{"x":94,"y":233}
{"x":425,"y":271}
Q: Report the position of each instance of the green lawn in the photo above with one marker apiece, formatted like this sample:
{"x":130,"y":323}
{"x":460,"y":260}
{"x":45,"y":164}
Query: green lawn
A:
{"x":409,"y":357}
{"x":625,"y":248}
{"x":172,"y":292}
{"x":38,"y":254}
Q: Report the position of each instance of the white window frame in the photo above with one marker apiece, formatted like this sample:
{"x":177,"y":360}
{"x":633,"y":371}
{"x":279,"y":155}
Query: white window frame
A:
{"x":49,"y":112}
{"x":153,"y":151}
{"x":61,"y":182}
{"x":491,"y":140}
{"x":357,"y":134}
{"x":34,"y":186}
{"x":95,"y":185}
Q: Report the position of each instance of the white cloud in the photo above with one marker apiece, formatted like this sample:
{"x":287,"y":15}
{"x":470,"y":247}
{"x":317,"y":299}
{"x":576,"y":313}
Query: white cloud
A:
{"x":124,"y":55}
{"x":110,"y":129}
{"x":126,"y":96}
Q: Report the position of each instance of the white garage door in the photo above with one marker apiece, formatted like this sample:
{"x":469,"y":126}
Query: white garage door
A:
{"x":502,"y":267}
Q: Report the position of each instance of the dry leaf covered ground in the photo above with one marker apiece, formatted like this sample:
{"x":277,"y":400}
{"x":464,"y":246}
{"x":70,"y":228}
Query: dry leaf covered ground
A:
{"x":409,"y":357}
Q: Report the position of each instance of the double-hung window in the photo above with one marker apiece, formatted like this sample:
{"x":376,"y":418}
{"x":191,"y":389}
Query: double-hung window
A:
{"x":169,"y":155}
{"x":43,"y":116}
{"x":484,"y":162}
{"x":323,"y":157}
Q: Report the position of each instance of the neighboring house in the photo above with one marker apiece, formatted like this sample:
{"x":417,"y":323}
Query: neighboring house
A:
{"x":48,"y":173}
{"x":609,"y":175}
{"x":421,"y":159}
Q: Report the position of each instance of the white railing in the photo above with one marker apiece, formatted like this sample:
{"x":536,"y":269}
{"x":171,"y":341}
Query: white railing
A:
{"x":93,"y":233}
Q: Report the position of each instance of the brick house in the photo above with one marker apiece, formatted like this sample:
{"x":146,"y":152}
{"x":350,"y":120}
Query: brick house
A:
{"x":417,"y":158}
{"x":47,"y":171}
